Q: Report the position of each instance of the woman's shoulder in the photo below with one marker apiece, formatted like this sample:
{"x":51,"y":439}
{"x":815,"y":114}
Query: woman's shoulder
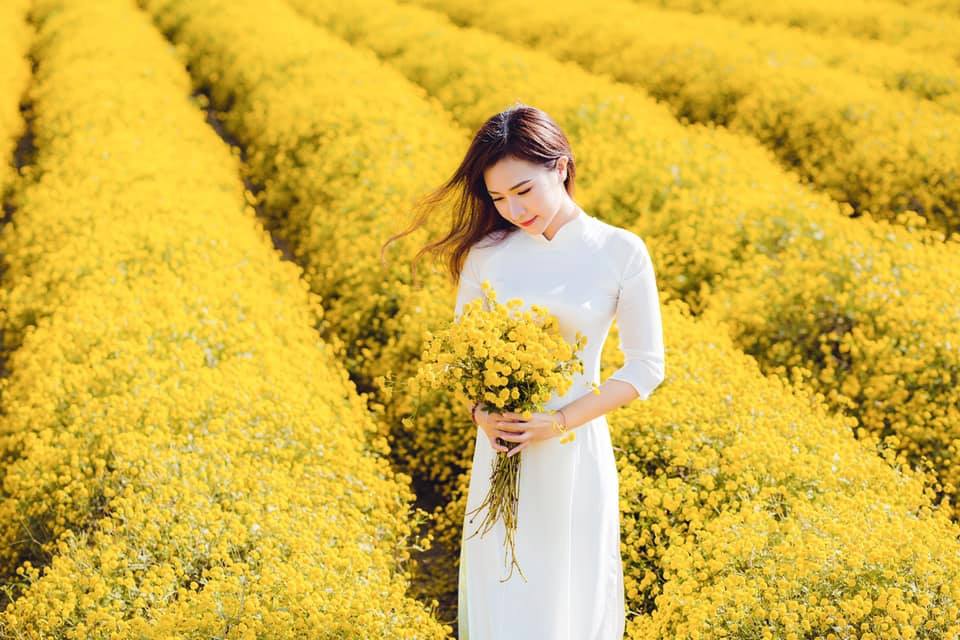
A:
{"x":620,"y":243}
{"x":490,"y":243}
{"x":481,"y":251}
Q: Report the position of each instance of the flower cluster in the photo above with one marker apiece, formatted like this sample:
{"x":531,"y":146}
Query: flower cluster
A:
{"x":501,"y":356}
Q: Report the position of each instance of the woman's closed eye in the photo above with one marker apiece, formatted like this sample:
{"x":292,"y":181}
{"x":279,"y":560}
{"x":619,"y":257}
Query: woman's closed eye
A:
{"x":519,"y":193}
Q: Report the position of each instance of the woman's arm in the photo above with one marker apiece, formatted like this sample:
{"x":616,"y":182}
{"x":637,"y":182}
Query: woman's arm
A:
{"x":613,"y":394}
{"x":641,"y":342}
{"x":639,"y":325}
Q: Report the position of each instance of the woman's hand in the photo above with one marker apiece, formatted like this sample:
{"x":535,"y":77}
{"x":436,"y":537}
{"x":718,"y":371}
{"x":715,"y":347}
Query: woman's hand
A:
{"x":512,"y":427}
{"x":487,"y":424}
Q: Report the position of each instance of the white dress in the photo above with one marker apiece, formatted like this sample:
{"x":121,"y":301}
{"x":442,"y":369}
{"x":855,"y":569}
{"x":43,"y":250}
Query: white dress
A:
{"x":568,"y":520}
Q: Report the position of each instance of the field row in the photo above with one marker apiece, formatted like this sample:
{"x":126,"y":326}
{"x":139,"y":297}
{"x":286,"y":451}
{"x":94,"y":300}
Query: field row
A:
{"x":182,"y":456}
{"x":14,"y":75}
{"x":925,"y":26}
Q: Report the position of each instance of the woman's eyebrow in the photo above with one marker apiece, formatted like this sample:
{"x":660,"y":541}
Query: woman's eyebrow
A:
{"x":513,"y":187}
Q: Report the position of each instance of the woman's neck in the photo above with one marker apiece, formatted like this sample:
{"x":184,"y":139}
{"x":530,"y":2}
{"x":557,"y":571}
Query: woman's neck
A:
{"x":565,"y":215}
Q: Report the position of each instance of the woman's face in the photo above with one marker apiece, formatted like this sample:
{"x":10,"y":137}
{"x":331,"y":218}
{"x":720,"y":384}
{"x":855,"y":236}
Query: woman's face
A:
{"x":526,"y":194}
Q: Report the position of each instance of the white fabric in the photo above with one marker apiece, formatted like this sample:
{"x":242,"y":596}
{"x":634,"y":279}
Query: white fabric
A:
{"x":568,"y":531}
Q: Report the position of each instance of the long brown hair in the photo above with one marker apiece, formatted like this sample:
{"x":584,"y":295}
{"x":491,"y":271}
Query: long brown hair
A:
{"x":520,"y":131}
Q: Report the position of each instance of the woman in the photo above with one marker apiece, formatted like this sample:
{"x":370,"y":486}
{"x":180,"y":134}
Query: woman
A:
{"x":517,"y":225}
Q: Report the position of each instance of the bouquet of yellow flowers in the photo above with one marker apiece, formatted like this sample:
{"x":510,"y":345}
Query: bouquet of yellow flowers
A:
{"x":507,"y":359}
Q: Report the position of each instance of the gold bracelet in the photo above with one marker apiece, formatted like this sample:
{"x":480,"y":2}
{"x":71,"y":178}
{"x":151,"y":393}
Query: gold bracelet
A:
{"x":566,"y":436}
{"x":557,"y":426}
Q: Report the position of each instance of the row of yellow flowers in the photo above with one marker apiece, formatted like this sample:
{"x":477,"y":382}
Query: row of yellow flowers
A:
{"x":877,"y":150}
{"x":703,"y":41}
{"x":682,"y":459}
{"x":948,"y":7}
{"x":183,"y":456}
{"x":341,"y":146}
{"x":864,"y":309}
{"x":337,"y":172}
{"x":14,"y":74}
{"x":927,"y":26}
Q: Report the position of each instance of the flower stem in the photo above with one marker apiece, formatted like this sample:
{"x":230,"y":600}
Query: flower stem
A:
{"x":502,"y":501}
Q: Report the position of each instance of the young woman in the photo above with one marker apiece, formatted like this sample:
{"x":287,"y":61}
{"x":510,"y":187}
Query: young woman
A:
{"x":516,"y":224}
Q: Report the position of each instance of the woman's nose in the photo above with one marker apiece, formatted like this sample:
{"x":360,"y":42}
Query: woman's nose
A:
{"x":516,"y":211}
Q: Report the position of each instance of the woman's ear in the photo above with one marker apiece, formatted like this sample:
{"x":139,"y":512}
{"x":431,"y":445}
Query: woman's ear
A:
{"x":562,"y":168}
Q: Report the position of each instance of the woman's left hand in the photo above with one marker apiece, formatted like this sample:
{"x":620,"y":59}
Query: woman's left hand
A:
{"x":538,"y":427}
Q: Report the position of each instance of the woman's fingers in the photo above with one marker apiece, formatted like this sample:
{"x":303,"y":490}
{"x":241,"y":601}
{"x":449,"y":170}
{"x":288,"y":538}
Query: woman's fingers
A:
{"x":496,"y":446}
{"x":516,"y":449}
{"x":515,"y":427}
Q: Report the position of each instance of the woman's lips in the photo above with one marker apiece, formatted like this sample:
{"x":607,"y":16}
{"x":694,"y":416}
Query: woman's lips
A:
{"x":528,"y":222}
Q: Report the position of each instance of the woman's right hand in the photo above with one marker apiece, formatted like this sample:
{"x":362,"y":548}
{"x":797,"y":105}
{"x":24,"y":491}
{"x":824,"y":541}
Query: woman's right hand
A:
{"x":488,"y":424}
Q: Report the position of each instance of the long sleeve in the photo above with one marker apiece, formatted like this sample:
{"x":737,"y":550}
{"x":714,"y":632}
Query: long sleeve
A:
{"x":639,"y":324}
{"x":469,"y":286}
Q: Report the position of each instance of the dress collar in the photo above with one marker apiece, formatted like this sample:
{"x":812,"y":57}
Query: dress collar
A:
{"x":570,"y":230}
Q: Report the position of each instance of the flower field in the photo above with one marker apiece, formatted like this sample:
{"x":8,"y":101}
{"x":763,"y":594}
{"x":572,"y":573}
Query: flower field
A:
{"x":202,"y":433}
